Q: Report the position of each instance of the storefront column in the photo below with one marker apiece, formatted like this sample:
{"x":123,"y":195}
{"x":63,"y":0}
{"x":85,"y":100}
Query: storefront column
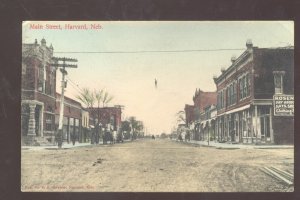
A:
{"x":256,"y":131}
{"x":68,"y":131}
{"x":41,"y":121}
{"x":251,"y":125}
{"x":31,"y":123}
{"x":228,"y":127}
{"x":271,"y":125}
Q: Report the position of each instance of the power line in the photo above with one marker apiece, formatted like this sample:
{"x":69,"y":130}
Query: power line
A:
{"x":75,"y":88}
{"x":74,"y":85}
{"x":162,"y":51}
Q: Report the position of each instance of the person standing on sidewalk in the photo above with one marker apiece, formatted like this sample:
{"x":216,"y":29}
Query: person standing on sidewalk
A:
{"x":59,"y":138}
{"x":73,"y":138}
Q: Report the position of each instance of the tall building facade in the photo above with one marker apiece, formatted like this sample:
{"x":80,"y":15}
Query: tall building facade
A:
{"x":38,"y":91}
{"x":246,"y":96}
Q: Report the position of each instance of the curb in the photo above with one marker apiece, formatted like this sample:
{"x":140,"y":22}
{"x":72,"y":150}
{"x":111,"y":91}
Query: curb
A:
{"x":241,"y":146}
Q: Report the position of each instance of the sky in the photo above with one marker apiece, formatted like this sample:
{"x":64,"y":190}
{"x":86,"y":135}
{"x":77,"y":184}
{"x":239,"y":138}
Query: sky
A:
{"x":129,"y":77}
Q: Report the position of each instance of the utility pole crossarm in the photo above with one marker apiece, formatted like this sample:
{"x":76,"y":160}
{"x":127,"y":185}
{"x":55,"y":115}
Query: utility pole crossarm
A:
{"x":64,"y":65}
{"x":65,"y":59}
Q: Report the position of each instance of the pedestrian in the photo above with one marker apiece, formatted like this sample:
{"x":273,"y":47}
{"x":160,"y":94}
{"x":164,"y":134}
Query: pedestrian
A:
{"x":73,"y":138}
{"x":59,"y":138}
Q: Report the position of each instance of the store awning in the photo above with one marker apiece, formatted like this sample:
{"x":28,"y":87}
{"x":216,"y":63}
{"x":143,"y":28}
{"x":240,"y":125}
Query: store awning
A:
{"x":238,"y":109}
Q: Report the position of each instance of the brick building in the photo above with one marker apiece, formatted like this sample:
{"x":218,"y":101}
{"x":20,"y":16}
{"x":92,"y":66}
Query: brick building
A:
{"x":203,"y":102}
{"x":203,"y":99}
{"x":245,"y":108}
{"x":38,"y":92}
{"x":72,"y":118}
{"x":108,"y":116}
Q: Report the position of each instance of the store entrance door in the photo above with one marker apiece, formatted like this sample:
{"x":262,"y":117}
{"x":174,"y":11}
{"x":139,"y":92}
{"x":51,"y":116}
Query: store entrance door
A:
{"x":265,"y":129}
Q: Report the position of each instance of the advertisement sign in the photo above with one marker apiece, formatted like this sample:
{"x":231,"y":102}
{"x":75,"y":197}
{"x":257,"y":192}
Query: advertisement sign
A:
{"x":283,"y":105}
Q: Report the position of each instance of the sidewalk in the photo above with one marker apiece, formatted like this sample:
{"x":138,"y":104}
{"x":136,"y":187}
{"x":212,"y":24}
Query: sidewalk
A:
{"x":65,"y":145}
{"x":218,"y":145}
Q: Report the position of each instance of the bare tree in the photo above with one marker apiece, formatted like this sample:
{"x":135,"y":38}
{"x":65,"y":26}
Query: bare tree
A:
{"x":98,"y":98}
{"x":181,"y":117}
{"x":106,"y":98}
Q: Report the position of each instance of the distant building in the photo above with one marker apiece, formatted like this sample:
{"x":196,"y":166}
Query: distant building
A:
{"x":203,"y":99}
{"x":203,"y":102}
{"x":246,"y":96}
{"x":108,"y":116}
{"x":38,"y":92}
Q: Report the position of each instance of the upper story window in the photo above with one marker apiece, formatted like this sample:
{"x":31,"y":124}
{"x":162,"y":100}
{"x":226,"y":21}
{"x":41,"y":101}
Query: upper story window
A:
{"x":40,"y":83}
{"x":278,"y":81}
{"x":49,"y":84}
{"x":231,"y":94}
{"x":244,"y":86}
{"x":221,"y":99}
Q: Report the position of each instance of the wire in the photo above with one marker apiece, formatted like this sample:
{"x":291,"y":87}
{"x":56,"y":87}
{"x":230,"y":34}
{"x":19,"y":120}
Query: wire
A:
{"x":163,"y":51}
{"x":75,"y":88}
{"x":74,"y":85}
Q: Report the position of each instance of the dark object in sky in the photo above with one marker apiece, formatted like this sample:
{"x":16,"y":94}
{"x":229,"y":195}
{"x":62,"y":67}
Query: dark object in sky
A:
{"x":155,"y":83}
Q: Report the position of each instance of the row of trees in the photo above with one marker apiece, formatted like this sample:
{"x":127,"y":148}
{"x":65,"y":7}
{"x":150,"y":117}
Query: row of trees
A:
{"x":92,"y":99}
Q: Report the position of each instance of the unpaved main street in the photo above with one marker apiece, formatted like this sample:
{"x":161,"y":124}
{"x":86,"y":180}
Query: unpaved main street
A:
{"x":153,"y":166}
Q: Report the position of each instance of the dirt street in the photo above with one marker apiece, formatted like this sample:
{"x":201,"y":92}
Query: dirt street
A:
{"x":153,"y":166}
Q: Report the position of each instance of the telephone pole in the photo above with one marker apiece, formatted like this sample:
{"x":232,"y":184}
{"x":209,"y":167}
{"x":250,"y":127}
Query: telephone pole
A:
{"x":62,"y":67}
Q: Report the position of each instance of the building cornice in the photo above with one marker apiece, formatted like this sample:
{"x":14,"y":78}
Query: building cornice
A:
{"x":241,"y":59}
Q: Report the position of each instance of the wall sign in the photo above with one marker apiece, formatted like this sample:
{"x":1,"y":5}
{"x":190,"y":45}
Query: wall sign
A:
{"x":283,"y":105}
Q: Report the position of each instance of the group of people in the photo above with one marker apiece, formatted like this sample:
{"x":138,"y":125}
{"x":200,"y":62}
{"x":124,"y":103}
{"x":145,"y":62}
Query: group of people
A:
{"x":106,"y":132}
